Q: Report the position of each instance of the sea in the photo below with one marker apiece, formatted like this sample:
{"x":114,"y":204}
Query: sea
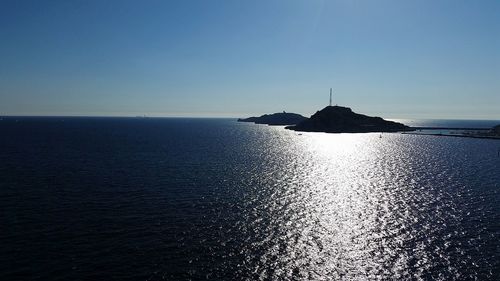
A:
{"x":215,"y":199}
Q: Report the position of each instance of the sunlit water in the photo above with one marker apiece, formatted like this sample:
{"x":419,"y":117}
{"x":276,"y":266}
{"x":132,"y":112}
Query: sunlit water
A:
{"x":180,"y":199}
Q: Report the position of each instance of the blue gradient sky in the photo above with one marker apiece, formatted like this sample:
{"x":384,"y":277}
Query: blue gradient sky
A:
{"x":395,"y":59}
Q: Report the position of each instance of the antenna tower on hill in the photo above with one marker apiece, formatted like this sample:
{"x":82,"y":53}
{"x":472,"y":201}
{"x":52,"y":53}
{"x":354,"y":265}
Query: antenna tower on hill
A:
{"x":330,"y":96}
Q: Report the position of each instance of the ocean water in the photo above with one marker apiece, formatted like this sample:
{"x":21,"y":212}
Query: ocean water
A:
{"x":214,"y":199}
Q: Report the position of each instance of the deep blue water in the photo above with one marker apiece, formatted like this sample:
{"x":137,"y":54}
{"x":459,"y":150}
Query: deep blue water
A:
{"x":181,"y":199}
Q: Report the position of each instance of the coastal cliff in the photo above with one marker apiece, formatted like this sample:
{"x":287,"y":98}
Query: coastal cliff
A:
{"x":277,"y":119}
{"x":338,"y":119}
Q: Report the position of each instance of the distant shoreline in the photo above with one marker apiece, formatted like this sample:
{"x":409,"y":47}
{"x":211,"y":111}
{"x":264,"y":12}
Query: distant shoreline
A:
{"x":451,"y":128}
{"x":453,"y":135}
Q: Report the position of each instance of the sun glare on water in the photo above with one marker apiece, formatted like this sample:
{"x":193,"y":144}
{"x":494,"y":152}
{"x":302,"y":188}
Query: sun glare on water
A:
{"x":349,"y":208}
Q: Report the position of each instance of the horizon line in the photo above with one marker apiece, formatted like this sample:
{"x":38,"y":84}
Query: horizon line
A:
{"x":206,"y":117}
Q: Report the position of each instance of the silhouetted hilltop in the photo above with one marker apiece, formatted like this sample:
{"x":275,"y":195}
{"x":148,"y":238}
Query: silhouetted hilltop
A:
{"x":276,"y":119}
{"x":338,"y":119}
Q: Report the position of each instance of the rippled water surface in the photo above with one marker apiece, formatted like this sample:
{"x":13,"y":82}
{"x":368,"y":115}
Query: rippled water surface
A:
{"x":180,"y":199}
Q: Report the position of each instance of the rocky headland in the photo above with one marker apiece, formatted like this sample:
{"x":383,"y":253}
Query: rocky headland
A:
{"x":276,"y":119}
{"x":338,"y":119}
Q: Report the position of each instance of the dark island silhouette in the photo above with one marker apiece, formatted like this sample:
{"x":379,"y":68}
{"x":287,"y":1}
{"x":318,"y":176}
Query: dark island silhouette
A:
{"x":276,"y":119}
{"x":338,"y":119}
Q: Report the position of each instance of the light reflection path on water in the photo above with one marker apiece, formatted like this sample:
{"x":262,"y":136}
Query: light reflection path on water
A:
{"x":356,"y":207}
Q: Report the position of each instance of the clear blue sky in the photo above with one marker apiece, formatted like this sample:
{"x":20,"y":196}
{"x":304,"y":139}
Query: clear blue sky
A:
{"x":395,"y":59}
